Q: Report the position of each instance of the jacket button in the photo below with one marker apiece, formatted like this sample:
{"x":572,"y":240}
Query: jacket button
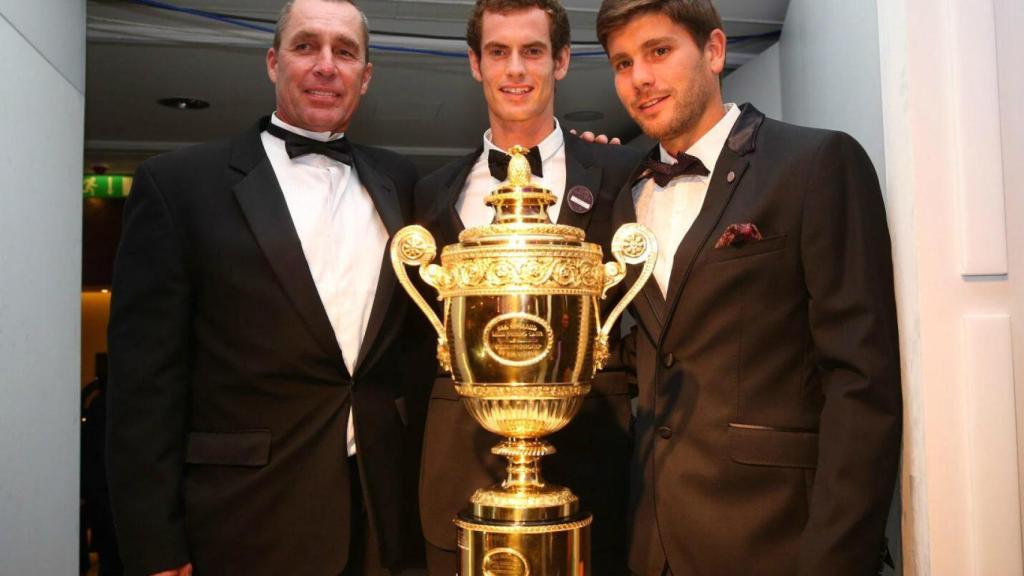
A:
{"x":668,"y":360}
{"x":665,"y":432}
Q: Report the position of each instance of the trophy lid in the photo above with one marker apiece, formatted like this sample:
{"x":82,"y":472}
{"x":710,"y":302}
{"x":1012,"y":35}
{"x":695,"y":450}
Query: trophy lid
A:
{"x":521,"y":207}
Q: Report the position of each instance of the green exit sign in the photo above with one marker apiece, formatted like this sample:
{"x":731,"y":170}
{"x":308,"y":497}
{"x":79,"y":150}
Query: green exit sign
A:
{"x":106,"y":185}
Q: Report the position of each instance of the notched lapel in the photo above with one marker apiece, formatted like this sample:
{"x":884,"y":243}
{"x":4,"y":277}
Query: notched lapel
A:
{"x":580,"y":170}
{"x":264,"y":206}
{"x":448,"y":215}
{"x":732,"y":165}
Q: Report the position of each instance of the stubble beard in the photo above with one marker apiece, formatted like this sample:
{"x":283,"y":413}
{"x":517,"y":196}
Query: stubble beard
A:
{"x":687,"y":112}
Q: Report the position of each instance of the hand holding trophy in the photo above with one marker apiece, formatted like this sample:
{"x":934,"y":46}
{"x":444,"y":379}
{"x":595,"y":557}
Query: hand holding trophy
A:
{"x":522,"y":336}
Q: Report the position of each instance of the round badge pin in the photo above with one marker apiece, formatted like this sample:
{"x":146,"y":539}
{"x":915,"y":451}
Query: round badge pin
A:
{"x":580,"y":199}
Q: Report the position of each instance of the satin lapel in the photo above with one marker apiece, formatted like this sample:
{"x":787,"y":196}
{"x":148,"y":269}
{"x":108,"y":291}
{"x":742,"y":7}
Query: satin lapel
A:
{"x":732,"y":165}
{"x":385,"y":200}
{"x":649,"y":305}
{"x":263,"y":205}
{"x":448,"y":214}
{"x":579,"y":171}
{"x":720,"y":191}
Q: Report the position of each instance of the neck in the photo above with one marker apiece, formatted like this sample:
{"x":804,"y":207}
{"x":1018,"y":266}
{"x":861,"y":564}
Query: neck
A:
{"x":713,"y":113}
{"x":526,"y":133}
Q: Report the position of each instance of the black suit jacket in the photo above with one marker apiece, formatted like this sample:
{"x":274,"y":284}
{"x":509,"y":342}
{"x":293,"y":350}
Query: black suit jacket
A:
{"x":768,"y":429}
{"x":593,"y":450}
{"x":229,"y":397}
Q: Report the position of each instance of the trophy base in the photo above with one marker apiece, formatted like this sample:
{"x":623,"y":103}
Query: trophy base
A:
{"x":501,"y":548}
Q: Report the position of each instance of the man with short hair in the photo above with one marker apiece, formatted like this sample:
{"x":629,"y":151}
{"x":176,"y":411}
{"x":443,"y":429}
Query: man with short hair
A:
{"x":768,"y":427}
{"x":256,"y":394}
{"x":518,"y":51}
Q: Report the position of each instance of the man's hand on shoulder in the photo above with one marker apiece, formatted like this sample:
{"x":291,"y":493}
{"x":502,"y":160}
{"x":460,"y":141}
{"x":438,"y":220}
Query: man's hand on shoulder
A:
{"x":185,"y":570}
{"x":589,"y":136}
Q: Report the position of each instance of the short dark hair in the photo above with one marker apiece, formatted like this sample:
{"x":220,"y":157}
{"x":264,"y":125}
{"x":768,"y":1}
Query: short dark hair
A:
{"x":559,"y":25}
{"x":286,"y":11}
{"x":699,"y":17}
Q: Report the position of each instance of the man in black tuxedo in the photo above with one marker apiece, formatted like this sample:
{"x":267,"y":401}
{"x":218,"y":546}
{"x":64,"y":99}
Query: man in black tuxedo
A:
{"x":518,"y":50}
{"x":256,"y":402}
{"x":769,"y":418}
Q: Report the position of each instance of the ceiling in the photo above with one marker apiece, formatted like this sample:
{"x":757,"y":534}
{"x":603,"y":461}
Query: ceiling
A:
{"x":422,"y":101}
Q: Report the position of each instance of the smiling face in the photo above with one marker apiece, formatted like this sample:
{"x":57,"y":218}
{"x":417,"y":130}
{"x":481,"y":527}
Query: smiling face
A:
{"x":319,"y":70}
{"x":667,"y":83}
{"x":518,"y":70}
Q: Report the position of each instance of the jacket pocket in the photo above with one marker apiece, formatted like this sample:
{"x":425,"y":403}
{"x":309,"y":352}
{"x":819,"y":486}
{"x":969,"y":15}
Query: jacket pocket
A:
{"x":765,"y":246}
{"x":245,"y":448}
{"x":767,"y":446}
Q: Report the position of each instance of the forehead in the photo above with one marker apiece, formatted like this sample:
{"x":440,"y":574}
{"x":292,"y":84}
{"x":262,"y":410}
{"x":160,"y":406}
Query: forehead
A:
{"x":320,"y":18}
{"x":644,"y":28}
{"x":525,"y":26}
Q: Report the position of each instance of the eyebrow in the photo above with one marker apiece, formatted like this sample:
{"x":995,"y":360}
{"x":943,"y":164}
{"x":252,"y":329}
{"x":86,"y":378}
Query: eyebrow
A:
{"x":648,"y":44}
{"x":345,"y":40}
{"x":494,"y":44}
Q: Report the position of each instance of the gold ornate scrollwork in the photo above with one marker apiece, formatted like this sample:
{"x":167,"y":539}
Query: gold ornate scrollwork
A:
{"x":414,"y":246}
{"x":632,"y":244}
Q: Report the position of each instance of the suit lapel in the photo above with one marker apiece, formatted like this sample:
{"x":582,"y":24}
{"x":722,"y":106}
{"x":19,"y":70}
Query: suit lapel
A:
{"x":580,"y":170}
{"x":447,"y":211}
{"x":731,"y":166}
{"x":264,"y":207}
{"x":385,"y":201}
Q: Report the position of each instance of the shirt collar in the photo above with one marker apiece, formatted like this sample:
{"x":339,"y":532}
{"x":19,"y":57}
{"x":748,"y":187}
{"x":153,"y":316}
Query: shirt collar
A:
{"x":709,"y":147}
{"x":321,"y":136}
{"x":551,"y":144}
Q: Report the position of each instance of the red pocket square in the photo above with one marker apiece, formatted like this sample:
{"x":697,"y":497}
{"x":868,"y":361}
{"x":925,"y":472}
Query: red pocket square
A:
{"x":739,"y":234}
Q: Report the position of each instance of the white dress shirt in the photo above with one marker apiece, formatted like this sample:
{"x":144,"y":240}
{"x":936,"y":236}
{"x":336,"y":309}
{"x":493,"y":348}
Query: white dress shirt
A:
{"x":670,"y":211}
{"x":342,"y":236}
{"x":479,"y":184}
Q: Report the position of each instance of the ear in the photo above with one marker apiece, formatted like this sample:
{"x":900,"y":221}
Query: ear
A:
{"x":272,"y":65}
{"x":474,"y":65}
{"x":562,"y":63}
{"x":714,"y":50}
{"x":367,"y":75}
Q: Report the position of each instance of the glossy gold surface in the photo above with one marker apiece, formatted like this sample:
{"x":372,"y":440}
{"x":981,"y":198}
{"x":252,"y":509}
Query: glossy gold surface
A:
{"x":522,"y":335}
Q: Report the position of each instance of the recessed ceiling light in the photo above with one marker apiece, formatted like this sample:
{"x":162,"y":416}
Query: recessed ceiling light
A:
{"x":184,"y":103}
{"x":584,"y":116}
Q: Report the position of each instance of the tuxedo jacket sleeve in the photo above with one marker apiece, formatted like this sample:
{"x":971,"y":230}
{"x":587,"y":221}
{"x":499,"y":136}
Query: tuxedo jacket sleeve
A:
{"x":852,"y":315}
{"x":149,"y":370}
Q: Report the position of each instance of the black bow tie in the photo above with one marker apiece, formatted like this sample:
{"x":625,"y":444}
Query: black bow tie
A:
{"x":298,"y":145}
{"x":686,"y":165}
{"x":497,"y":161}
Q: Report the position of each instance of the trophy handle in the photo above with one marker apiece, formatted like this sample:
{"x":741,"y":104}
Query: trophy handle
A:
{"x":414,"y":246}
{"x":632,"y":244}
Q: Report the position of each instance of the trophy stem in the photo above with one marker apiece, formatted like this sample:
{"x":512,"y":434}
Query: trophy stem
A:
{"x":523,"y":463}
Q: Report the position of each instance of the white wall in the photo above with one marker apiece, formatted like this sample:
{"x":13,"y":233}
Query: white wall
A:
{"x":954,"y":134}
{"x":758,"y":82}
{"x":43,"y":67}
{"x":830,"y":70}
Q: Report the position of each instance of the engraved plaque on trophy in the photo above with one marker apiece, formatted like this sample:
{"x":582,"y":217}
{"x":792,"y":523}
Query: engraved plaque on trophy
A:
{"x":522,"y":334}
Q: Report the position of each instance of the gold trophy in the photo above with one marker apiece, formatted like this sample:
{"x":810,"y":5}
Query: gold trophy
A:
{"x":522,"y":337}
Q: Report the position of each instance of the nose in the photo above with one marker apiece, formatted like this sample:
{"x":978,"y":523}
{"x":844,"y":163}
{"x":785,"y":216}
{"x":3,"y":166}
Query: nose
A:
{"x":325,"y":63}
{"x":516,"y":67}
{"x":641,"y":75}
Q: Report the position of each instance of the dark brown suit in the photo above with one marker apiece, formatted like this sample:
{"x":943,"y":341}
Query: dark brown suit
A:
{"x":229,"y":397}
{"x":593,"y":450}
{"x":769,"y":418}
